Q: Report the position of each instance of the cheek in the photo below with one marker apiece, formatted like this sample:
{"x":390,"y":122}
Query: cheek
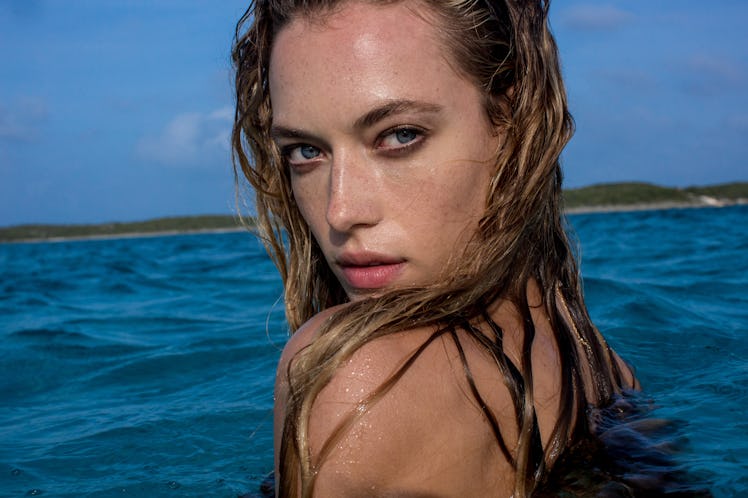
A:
{"x":445,"y":217}
{"x":463,"y":179}
{"x":310,"y":204}
{"x":464,"y":193}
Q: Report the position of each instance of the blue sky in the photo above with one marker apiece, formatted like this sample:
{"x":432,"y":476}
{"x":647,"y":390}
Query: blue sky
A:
{"x":120,"y":110}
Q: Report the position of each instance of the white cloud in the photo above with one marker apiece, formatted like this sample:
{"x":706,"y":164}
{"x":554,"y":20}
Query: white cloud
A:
{"x":708,"y":74}
{"x":11,"y":129}
{"x":711,"y":74}
{"x":595,"y":17}
{"x":737,"y":122}
{"x":190,"y":139}
{"x":22,"y":9}
{"x":224,"y":114}
{"x":635,"y":79}
{"x":19,"y":121}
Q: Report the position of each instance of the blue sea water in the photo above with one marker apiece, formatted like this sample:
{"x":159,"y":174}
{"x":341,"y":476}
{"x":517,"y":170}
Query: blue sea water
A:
{"x":144,"y":366}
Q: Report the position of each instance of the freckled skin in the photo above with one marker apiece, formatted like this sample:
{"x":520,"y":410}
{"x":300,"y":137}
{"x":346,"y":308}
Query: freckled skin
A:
{"x":361,"y":190}
{"x":408,"y":183}
{"x":417,"y":205}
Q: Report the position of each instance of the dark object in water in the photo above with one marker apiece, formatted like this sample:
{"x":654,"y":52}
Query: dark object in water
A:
{"x":629,"y":455}
{"x":267,"y":488}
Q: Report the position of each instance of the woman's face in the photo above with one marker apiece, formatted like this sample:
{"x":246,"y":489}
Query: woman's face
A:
{"x":389,"y":148}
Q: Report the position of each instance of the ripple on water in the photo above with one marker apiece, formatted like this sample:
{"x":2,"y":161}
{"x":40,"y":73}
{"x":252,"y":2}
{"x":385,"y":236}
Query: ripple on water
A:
{"x":133,"y":364}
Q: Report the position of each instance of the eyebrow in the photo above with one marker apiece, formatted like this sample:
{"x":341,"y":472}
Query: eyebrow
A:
{"x":369,"y":119}
{"x":277,"y":132}
{"x":395,"y":107}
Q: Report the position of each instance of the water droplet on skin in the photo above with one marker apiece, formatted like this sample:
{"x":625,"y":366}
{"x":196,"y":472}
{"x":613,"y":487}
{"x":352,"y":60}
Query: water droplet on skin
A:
{"x":34,"y":492}
{"x":174,"y":485}
{"x":16,"y":472}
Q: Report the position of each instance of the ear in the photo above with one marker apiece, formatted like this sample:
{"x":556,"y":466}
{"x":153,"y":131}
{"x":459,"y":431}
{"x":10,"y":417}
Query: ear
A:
{"x":499,"y":109}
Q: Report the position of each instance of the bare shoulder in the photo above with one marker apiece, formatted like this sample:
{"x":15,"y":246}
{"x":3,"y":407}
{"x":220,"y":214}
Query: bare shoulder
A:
{"x":420,"y":435}
{"x":296,"y":343}
{"x":301,"y":339}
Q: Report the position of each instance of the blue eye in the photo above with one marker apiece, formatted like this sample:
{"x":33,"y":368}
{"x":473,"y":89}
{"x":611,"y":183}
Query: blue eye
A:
{"x":401,"y":138}
{"x":300,"y":154}
{"x":405,"y":135}
{"x":308,"y":152}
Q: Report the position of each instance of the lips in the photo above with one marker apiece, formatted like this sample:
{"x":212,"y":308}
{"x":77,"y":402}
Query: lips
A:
{"x":369,"y":270}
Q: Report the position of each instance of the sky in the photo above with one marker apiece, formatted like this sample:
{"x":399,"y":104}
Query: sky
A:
{"x":120,"y":110}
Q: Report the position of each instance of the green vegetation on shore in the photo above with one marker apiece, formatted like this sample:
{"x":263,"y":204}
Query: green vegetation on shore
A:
{"x":182,"y":224}
{"x":612,"y":196}
{"x":622,"y":195}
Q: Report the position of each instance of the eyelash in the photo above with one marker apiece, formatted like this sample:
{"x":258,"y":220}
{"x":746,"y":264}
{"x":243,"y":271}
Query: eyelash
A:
{"x":419,"y":136}
{"x":288,"y":150}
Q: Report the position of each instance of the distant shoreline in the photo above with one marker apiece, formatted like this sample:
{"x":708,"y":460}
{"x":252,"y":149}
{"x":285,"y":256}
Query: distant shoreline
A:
{"x":653,"y":206}
{"x":662,"y":206}
{"x":126,"y":235}
{"x":183,"y":225}
{"x":603,"y":198}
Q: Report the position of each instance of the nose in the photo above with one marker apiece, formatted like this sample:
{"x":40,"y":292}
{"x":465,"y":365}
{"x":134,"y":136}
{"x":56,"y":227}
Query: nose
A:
{"x":353,"y":195}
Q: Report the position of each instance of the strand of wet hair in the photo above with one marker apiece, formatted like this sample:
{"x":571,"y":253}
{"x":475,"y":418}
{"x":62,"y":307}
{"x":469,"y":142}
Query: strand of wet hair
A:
{"x":490,"y":416}
{"x":530,"y":421}
{"x":508,"y":370}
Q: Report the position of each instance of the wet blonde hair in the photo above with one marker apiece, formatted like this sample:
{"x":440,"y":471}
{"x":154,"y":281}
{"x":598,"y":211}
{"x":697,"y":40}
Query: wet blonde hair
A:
{"x":505,"y":47}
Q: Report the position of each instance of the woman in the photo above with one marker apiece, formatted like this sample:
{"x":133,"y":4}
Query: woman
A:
{"x":405,"y":156}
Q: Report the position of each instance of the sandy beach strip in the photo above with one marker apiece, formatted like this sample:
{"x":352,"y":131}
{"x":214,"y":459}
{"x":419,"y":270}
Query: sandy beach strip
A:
{"x":126,"y":235}
{"x":654,"y":206}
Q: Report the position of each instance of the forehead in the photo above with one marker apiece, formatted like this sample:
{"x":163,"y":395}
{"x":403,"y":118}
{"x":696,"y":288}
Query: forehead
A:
{"x":362,"y":50}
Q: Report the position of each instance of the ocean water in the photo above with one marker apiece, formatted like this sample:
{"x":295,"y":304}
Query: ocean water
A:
{"x":144,"y":366}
